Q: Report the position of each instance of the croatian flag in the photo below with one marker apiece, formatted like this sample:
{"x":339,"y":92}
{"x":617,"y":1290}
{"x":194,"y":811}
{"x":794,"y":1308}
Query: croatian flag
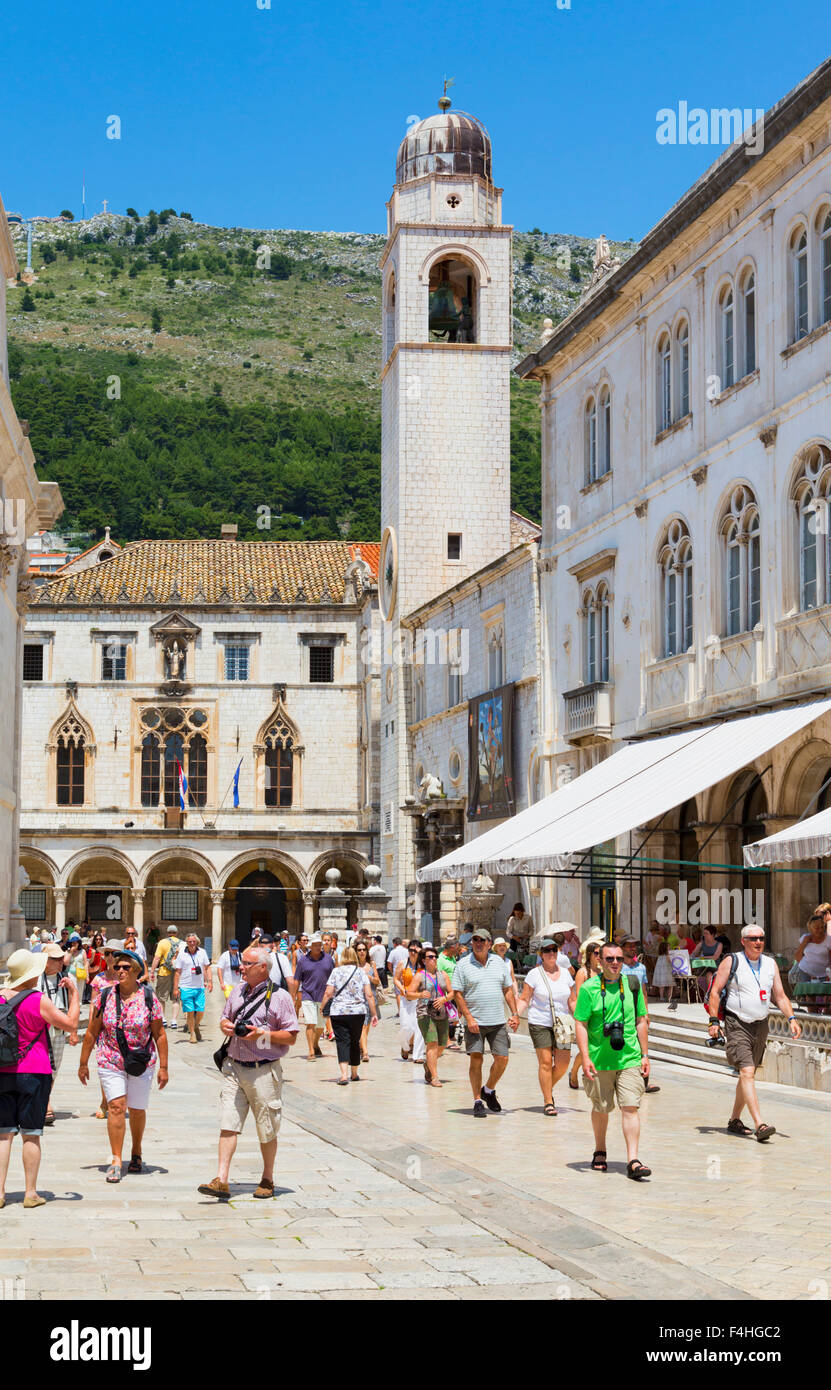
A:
{"x":236,"y":783}
{"x":183,"y":786}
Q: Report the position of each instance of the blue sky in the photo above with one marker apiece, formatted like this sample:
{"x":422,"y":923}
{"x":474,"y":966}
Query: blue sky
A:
{"x":291,"y":116}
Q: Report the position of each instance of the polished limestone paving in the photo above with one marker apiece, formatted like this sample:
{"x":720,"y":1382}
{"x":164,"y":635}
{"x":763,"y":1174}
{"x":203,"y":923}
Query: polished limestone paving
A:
{"x":390,"y":1189}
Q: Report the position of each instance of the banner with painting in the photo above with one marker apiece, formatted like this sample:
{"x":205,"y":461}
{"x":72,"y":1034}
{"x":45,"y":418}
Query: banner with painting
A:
{"x":490,"y":726}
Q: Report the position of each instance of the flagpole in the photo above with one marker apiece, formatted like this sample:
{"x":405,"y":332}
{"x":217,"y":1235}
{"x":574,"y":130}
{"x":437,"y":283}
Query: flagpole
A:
{"x":227,"y":789}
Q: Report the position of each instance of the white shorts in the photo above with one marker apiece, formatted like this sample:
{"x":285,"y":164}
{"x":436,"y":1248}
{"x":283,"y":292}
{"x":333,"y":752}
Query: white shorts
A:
{"x":136,"y":1088}
{"x":312,"y":1014}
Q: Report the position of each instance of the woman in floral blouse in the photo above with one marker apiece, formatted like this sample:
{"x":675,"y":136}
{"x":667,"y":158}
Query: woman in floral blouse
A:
{"x":138,"y":1014}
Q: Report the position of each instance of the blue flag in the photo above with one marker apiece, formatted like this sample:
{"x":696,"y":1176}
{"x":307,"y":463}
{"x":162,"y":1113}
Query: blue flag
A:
{"x":236,"y":783}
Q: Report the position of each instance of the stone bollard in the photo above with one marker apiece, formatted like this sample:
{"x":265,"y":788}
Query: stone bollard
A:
{"x":332,"y":906}
{"x":373,"y":903}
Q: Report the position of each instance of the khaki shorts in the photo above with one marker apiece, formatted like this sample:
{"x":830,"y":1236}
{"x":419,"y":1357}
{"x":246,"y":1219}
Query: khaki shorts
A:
{"x":164,"y":986}
{"x":312,"y":1014}
{"x":251,"y":1088}
{"x":745,"y":1042}
{"x":626,"y":1086}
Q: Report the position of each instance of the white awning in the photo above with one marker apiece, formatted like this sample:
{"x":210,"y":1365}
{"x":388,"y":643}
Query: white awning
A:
{"x":635,"y":785}
{"x":808,"y":839}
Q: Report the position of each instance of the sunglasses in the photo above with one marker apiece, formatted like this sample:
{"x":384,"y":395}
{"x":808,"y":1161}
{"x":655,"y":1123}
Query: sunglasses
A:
{"x":754,"y":938}
{"x":614,"y":960}
{"x":430,"y":955}
{"x":123,"y":965}
{"x":547,"y":950}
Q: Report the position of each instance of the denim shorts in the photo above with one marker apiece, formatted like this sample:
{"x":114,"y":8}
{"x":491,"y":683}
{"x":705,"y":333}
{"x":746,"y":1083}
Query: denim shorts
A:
{"x":24,"y":1097}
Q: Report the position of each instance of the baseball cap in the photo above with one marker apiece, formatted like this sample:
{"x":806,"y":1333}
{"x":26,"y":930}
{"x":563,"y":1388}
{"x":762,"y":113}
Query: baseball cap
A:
{"x":482,"y":933}
{"x":233,"y":942}
{"x":549,"y":944}
{"x":266,"y":939}
{"x":173,"y":931}
{"x":74,"y":937}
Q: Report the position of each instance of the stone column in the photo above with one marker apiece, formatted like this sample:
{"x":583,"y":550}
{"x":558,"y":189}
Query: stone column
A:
{"x":60,"y":896}
{"x":309,"y":896}
{"x":138,"y":912}
{"x":217,"y":898}
{"x":373,"y":903}
{"x":333,"y":905}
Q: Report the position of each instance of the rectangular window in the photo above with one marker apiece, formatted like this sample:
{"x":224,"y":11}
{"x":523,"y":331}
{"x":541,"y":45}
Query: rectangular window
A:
{"x":495,"y":663}
{"x":606,"y":434}
{"x":672,"y":616}
{"x":604,"y":642}
{"x":236,"y":663}
{"x":734,"y":587}
{"x":180,"y":904}
{"x":801,"y":295}
{"x":322,"y":665}
{"x":749,"y":330}
{"x":729,"y":359}
{"x":33,"y":662}
{"x":33,"y":904}
{"x":825,"y":287}
{"x":809,"y":561}
{"x":418,"y":696}
{"x":454,"y":545}
{"x":688,"y":607}
{"x":104,"y":904}
{"x":666,"y":388}
{"x":114,"y":661}
{"x":754,"y":581}
{"x":591,"y":636}
{"x":684,"y":376}
{"x":454,"y":686}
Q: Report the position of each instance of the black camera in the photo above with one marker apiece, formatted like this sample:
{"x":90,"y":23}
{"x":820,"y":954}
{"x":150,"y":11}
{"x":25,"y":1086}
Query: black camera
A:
{"x":717,"y":1041}
{"x":241,"y":1027}
{"x":614,"y":1032}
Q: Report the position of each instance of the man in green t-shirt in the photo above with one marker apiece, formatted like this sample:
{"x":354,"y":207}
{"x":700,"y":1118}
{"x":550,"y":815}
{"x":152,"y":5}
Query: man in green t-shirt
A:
{"x":612,"y":1036}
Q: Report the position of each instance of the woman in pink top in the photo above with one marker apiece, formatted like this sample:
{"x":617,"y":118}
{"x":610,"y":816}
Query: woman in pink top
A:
{"x":25,"y":1086}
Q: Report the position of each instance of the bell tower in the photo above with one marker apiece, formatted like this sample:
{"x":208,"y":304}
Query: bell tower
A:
{"x":445,"y":470}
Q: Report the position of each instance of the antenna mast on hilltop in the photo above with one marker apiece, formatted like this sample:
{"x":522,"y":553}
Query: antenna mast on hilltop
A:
{"x":83,"y":195}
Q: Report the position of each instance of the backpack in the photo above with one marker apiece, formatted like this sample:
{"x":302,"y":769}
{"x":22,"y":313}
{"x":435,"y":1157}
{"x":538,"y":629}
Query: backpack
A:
{"x":722,"y":1003}
{"x":10,"y":1054}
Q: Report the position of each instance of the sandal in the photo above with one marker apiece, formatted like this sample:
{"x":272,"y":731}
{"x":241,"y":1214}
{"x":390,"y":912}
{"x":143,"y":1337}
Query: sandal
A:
{"x":436,"y":1082}
{"x":114,"y":1173}
{"x":550,"y":1110}
{"x":364,"y":1056}
{"x":405,"y":1056}
{"x":342,"y":1081}
{"x":134,"y":1166}
{"x":738,"y":1127}
{"x":637,"y":1171}
{"x":573,"y":1085}
{"x":764,"y":1133}
{"x":49,"y":1118}
{"x":599,"y":1161}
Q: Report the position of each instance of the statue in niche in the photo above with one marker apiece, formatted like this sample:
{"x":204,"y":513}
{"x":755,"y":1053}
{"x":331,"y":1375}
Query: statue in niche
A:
{"x":174,"y":662}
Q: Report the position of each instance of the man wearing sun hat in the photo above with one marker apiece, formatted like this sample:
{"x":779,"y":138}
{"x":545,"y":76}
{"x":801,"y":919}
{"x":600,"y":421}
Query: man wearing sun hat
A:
{"x":25,"y":1084}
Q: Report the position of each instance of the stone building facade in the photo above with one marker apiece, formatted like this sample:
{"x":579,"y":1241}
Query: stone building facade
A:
{"x":195,"y":659}
{"x":26,"y":505}
{"x":686,"y":408}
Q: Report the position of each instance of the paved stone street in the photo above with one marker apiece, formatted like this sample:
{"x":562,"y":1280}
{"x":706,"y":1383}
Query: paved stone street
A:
{"x":389,"y":1190}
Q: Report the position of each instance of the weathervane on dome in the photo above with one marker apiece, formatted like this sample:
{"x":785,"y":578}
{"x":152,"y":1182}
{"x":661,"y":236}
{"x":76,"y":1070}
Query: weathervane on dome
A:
{"x":444,"y":100}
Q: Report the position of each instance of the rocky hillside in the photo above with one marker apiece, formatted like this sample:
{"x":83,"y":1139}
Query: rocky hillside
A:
{"x":161,"y":316}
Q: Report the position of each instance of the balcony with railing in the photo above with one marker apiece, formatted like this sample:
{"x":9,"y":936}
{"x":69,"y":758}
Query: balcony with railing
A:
{"x":589,"y":712}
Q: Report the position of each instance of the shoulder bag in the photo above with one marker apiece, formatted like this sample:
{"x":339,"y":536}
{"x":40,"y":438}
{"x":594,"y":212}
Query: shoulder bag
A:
{"x":327,"y":1008}
{"x":564,"y":1031}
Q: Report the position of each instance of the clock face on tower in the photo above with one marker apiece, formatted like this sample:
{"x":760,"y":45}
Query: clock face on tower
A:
{"x":388,"y":574}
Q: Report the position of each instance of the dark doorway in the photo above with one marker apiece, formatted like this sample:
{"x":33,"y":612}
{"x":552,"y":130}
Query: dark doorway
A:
{"x":261,"y":902}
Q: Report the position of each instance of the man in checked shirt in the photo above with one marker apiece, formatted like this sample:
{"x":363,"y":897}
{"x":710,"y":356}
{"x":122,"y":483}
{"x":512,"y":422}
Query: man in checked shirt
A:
{"x":252,"y":1077}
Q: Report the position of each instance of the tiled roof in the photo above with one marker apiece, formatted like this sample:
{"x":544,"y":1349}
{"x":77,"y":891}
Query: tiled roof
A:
{"x":215,"y":571}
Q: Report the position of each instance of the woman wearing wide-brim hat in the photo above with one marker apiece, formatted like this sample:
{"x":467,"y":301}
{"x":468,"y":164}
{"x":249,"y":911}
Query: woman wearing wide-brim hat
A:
{"x":25,"y":1085}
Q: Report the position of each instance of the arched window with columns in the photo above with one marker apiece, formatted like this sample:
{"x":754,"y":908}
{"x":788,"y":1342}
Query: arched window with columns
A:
{"x":741,"y":541}
{"x":596,"y":634}
{"x":173,"y":736}
{"x":811,"y":498}
{"x":675,"y":560}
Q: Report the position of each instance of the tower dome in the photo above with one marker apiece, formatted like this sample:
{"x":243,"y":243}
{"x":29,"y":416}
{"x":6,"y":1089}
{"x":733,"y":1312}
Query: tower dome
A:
{"x":451,"y":142}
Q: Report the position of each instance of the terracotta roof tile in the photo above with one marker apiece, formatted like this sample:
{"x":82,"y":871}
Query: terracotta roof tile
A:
{"x":212,"y":568}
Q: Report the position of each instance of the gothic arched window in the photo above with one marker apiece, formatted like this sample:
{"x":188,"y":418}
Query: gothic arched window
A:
{"x":278,"y":751}
{"x":70,"y":771}
{"x":811,"y":496}
{"x":741,"y":538}
{"x":70,"y":776}
{"x":677,"y":594}
{"x":173,"y":737}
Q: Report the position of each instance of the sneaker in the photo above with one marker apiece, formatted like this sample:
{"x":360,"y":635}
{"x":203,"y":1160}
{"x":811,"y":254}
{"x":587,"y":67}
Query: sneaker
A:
{"x":215,"y":1188}
{"x":479,"y":1109}
{"x":489,"y":1097}
{"x":174,"y":1026}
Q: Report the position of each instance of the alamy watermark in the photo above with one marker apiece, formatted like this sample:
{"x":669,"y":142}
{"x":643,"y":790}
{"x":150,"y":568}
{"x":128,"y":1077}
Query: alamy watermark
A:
{"x":719,"y":126}
{"x":710,"y":907}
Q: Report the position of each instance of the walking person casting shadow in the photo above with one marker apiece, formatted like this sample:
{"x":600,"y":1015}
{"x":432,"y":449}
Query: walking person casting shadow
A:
{"x":125,"y":1030}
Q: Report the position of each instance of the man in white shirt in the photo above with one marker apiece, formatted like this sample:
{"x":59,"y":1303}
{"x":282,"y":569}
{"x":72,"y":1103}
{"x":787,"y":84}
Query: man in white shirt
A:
{"x":191,"y":976}
{"x":399,"y":955}
{"x":279,"y":969}
{"x":378,"y":956}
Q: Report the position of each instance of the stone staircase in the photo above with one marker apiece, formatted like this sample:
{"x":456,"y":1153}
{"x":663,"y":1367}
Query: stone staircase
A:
{"x":681,"y":1038}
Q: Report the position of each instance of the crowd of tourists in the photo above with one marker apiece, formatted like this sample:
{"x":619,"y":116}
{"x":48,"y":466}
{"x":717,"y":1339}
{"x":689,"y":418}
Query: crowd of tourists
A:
{"x":586,"y":1005}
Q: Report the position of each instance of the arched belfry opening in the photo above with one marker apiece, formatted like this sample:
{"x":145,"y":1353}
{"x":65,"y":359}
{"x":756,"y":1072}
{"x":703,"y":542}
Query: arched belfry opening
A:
{"x":452,"y":301}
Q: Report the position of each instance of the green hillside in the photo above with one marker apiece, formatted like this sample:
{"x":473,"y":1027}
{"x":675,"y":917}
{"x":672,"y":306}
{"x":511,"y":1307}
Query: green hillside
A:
{"x":176,"y":376}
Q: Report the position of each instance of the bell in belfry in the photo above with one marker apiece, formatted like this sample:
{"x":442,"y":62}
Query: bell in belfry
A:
{"x":443,"y":315}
